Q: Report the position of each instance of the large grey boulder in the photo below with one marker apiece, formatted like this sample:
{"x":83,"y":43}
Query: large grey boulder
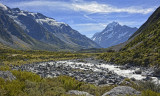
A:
{"x":76,"y":92}
{"x":7,"y":75}
{"x":138,"y":71}
{"x":122,"y":91}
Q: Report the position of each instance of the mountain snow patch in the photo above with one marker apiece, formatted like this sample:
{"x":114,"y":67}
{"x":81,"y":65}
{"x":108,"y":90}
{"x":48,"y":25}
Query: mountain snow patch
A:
{"x":49,"y":21}
{"x":3,"y":7}
{"x":33,"y":14}
{"x":21,"y":13}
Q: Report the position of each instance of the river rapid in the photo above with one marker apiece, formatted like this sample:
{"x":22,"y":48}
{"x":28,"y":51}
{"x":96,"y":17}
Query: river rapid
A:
{"x":91,"y":71}
{"x":119,"y":70}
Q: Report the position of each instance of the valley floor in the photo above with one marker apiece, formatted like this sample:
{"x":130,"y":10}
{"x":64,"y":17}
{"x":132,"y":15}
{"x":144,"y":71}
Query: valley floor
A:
{"x":65,"y":73}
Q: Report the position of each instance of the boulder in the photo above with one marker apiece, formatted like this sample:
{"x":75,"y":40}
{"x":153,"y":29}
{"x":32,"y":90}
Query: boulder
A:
{"x":133,"y":79}
{"x":7,"y":75}
{"x":148,"y":78}
{"x":128,"y":65}
{"x":76,"y":92}
{"x":156,"y":73}
{"x":138,"y":71}
{"x":123,"y":67}
{"x":122,"y":91}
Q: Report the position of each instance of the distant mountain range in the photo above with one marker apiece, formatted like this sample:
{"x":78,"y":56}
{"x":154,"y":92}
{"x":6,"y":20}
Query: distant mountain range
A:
{"x":28,"y":30}
{"x":113,"y":34}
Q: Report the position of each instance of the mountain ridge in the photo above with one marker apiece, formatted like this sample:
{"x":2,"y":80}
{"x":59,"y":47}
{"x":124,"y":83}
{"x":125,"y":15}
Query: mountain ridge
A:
{"x":113,"y":34}
{"x":14,"y":36}
{"x":48,"y":30}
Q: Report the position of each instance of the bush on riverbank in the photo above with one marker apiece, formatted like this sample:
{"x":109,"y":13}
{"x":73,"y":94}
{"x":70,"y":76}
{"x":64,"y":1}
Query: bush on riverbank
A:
{"x":147,"y":88}
{"x":136,"y":57}
{"x":30,"y":84}
{"x":19,"y":57}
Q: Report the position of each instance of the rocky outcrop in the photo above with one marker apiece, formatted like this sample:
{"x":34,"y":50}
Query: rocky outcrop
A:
{"x":81,"y":93}
{"x":7,"y":75}
{"x":122,"y":91}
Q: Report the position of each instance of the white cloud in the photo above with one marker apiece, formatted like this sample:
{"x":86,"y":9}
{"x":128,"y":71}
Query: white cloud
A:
{"x":80,"y":5}
{"x":51,"y":5}
{"x":95,"y":7}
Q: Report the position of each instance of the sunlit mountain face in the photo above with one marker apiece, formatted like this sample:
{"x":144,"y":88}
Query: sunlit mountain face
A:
{"x":28,"y":30}
{"x":90,"y":16}
{"x":113,"y":34}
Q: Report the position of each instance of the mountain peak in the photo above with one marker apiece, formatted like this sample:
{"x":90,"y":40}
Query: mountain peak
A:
{"x":113,"y":24}
{"x":111,"y":27}
{"x":113,"y":34}
{"x":3,"y":7}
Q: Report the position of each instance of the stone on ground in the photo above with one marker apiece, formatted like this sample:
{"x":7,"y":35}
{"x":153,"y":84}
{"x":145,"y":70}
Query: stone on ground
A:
{"x":7,"y":75}
{"x":122,"y":91}
{"x":76,"y":92}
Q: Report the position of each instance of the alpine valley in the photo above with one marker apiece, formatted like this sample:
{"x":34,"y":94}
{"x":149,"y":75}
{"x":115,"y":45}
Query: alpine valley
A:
{"x":42,"y":57}
{"x":27,"y":30}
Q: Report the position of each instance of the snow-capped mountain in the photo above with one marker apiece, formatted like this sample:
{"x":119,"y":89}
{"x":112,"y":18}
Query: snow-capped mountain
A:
{"x":113,"y":34}
{"x":48,"y":30}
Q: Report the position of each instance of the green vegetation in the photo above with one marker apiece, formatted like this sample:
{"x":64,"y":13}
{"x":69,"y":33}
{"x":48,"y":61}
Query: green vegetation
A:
{"x":147,"y":88}
{"x":134,"y":56}
{"x":18,"y":57}
{"x":150,"y":93}
{"x":29,"y":84}
{"x":142,"y":85}
{"x":94,"y":50}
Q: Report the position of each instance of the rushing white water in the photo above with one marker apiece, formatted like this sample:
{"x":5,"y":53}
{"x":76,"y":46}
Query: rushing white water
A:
{"x":114,"y":68}
{"x":124,"y":73}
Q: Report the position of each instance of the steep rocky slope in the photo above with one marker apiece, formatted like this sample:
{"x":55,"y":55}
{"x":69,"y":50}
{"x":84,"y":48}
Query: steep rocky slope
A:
{"x":113,"y":34}
{"x":46,"y":31}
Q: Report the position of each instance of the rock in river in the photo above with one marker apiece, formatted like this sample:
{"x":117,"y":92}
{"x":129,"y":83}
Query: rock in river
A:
{"x":156,"y":73}
{"x":138,"y":71}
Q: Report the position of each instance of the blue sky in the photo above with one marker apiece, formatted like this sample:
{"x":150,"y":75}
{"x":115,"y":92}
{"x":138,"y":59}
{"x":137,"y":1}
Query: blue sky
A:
{"x":90,"y":16}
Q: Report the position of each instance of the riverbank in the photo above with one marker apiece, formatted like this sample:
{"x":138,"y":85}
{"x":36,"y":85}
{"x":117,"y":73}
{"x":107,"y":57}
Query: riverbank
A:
{"x":91,"y":71}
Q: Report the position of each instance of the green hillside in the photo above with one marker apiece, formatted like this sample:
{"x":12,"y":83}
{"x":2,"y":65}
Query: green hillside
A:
{"x":144,"y":49}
